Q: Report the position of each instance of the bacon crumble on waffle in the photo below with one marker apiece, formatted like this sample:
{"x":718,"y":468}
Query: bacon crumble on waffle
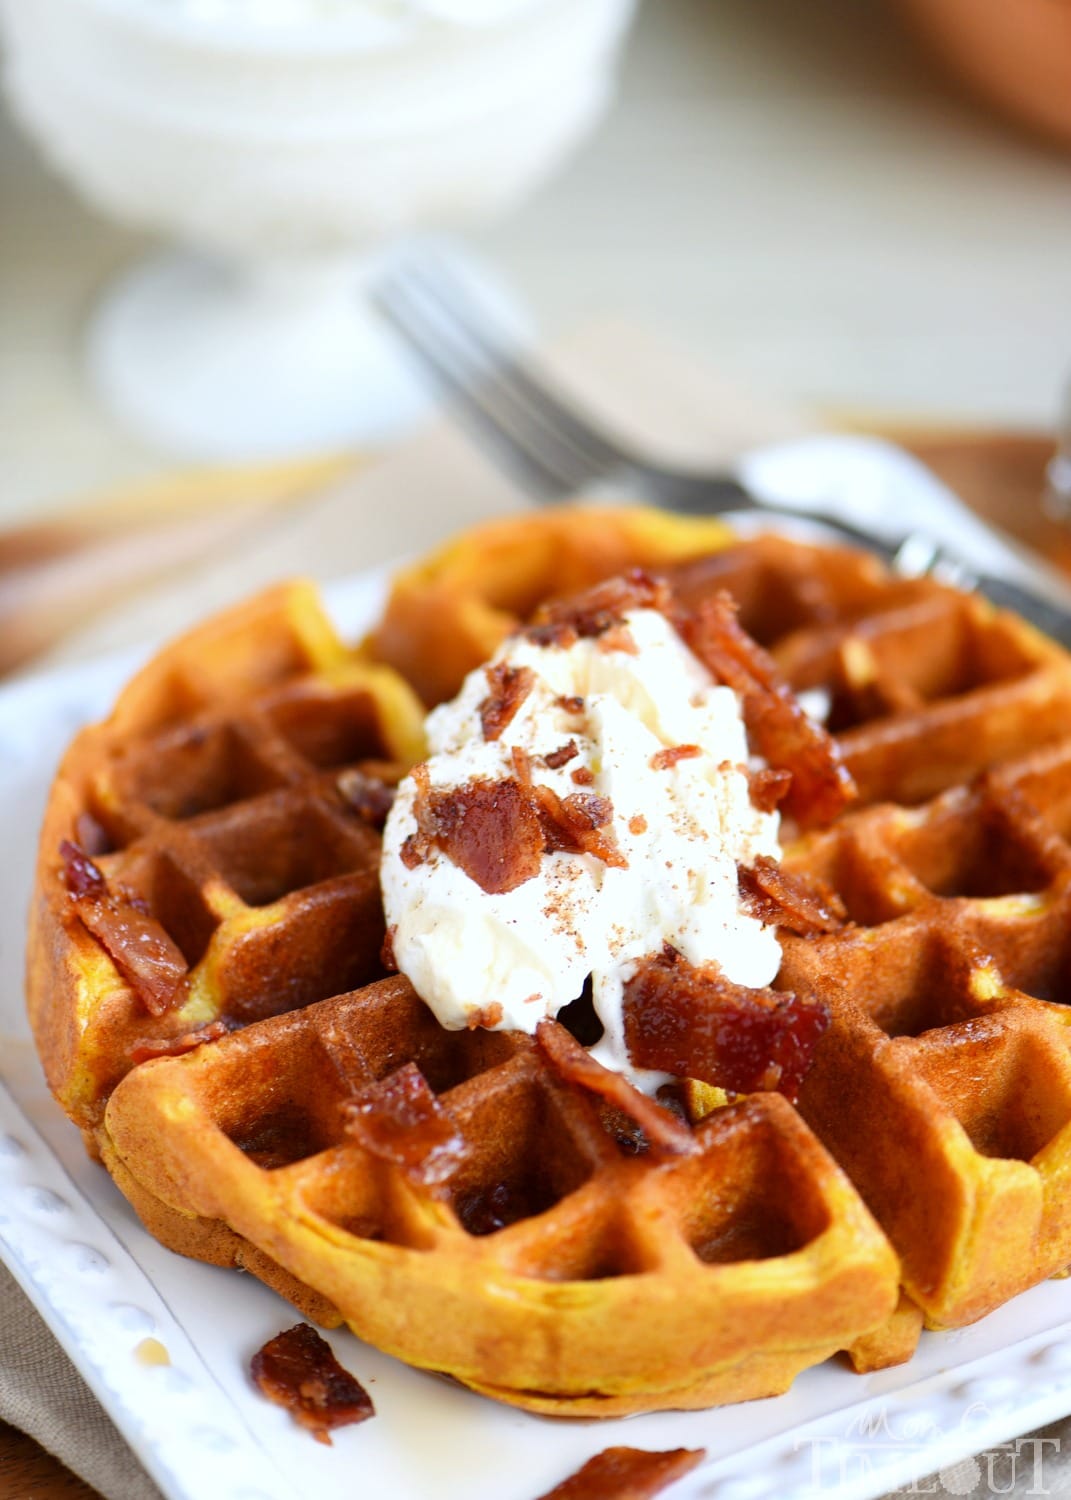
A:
{"x":268,"y":1097}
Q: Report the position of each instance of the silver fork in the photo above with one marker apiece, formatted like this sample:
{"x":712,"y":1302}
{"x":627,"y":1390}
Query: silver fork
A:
{"x":557,"y":451}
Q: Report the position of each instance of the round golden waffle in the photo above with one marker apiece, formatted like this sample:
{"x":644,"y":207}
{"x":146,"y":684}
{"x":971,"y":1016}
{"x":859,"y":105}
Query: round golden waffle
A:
{"x":541,"y":1259}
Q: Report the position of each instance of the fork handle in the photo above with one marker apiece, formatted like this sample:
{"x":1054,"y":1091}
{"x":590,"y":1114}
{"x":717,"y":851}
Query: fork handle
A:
{"x":713,"y":496}
{"x":1048,"y":618}
{"x":917,"y":554}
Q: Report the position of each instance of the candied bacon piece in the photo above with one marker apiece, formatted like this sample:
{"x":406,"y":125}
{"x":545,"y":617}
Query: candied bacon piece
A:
{"x":413,"y":852}
{"x":144,"y":953}
{"x":522,"y":766}
{"x":400,"y":1120}
{"x":146,"y":1048}
{"x":370,"y":797}
{"x":667,"y":758}
{"x":618,"y":638}
{"x":600,"y":610}
{"x":575,"y":824}
{"x":767,"y":788}
{"x":146,"y":956}
{"x":562,"y":756}
{"x":297,"y":1369}
{"x":798,"y":902}
{"x":490,"y":829}
{"x":694,"y":1023}
{"x":510,"y":686}
{"x":574,"y":1063}
{"x":498,"y":831}
{"x":487,"y":1015}
{"x":583,"y":776}
{"x":627,"y":1474}
{"x":777,"y":727}
{"x":80,"y":875}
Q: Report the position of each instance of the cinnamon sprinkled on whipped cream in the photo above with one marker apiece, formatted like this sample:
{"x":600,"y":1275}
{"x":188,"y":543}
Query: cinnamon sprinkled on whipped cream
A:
{"x":671,"y":818}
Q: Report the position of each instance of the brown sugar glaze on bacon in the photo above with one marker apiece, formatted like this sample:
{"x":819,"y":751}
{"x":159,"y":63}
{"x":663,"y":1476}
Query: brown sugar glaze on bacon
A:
{"x":143,"y":952}
{"x":489,"y":829}
{"x":509,"y":686}
{"x":768,"y":788}
{"x":402,"y":1121}
{"x":562,"y":756}
{"x":498,"y":831}
{"x":627,"y":1474}
{"x":799,"y":903}
{"x":297,"y":1369}
{"x":575,"y":824}
{"x":694,"y":1023}
{"x":600,"y":612}
{"x":777,"y":727}
{"x":576,"y":1065}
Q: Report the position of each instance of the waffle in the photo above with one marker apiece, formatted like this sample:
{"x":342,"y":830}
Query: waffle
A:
{"x":541,"y":1260}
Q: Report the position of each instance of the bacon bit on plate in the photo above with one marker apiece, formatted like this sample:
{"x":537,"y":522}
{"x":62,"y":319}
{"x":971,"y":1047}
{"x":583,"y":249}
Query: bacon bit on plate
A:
{"x":370,"y":797}
{"x":298,"y":1370}
{"x":777,"y":727}
{"x":768,"y":788}
{"x":562,"y":756}
{"x":400,"y":1120}
{"x":637,"y":823}
{"x":572,"y":704}
{"x":665,"y":760}
{"x":575,"y":1064}
{"x":583,"y":776}
{"x":145,"y":955}
{"x":510,"y":686}
{"x":799,"y":903}
{"x":694,"y":1023}
{"x":146,"y":1048}
{"x":627,"y":1474}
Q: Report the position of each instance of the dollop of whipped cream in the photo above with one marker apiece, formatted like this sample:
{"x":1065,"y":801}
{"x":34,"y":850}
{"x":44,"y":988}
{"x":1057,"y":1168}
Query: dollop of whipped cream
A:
{"x":633,"y":717}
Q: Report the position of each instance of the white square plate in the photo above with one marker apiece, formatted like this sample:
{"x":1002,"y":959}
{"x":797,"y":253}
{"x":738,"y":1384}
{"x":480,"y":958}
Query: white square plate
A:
{"x":198,"y":1425}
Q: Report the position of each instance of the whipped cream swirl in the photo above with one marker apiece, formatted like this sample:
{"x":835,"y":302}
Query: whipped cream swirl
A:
{"x":633,"y":718}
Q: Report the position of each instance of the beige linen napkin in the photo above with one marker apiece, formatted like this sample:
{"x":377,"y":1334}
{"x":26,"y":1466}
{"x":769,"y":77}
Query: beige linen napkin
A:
{"x":43,"y":1394}
{"x":404,"y":504}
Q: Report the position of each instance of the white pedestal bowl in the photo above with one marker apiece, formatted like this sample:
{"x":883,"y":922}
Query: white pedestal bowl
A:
{"x":281,"y":145}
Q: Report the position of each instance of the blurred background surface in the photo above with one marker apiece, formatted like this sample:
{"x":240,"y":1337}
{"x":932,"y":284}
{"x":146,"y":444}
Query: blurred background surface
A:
{"x":795,"y":191}
{"x":800,"y":194}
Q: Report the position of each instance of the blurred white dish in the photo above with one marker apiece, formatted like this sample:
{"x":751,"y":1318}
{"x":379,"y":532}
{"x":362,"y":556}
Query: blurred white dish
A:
{"x":283,"y":144}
